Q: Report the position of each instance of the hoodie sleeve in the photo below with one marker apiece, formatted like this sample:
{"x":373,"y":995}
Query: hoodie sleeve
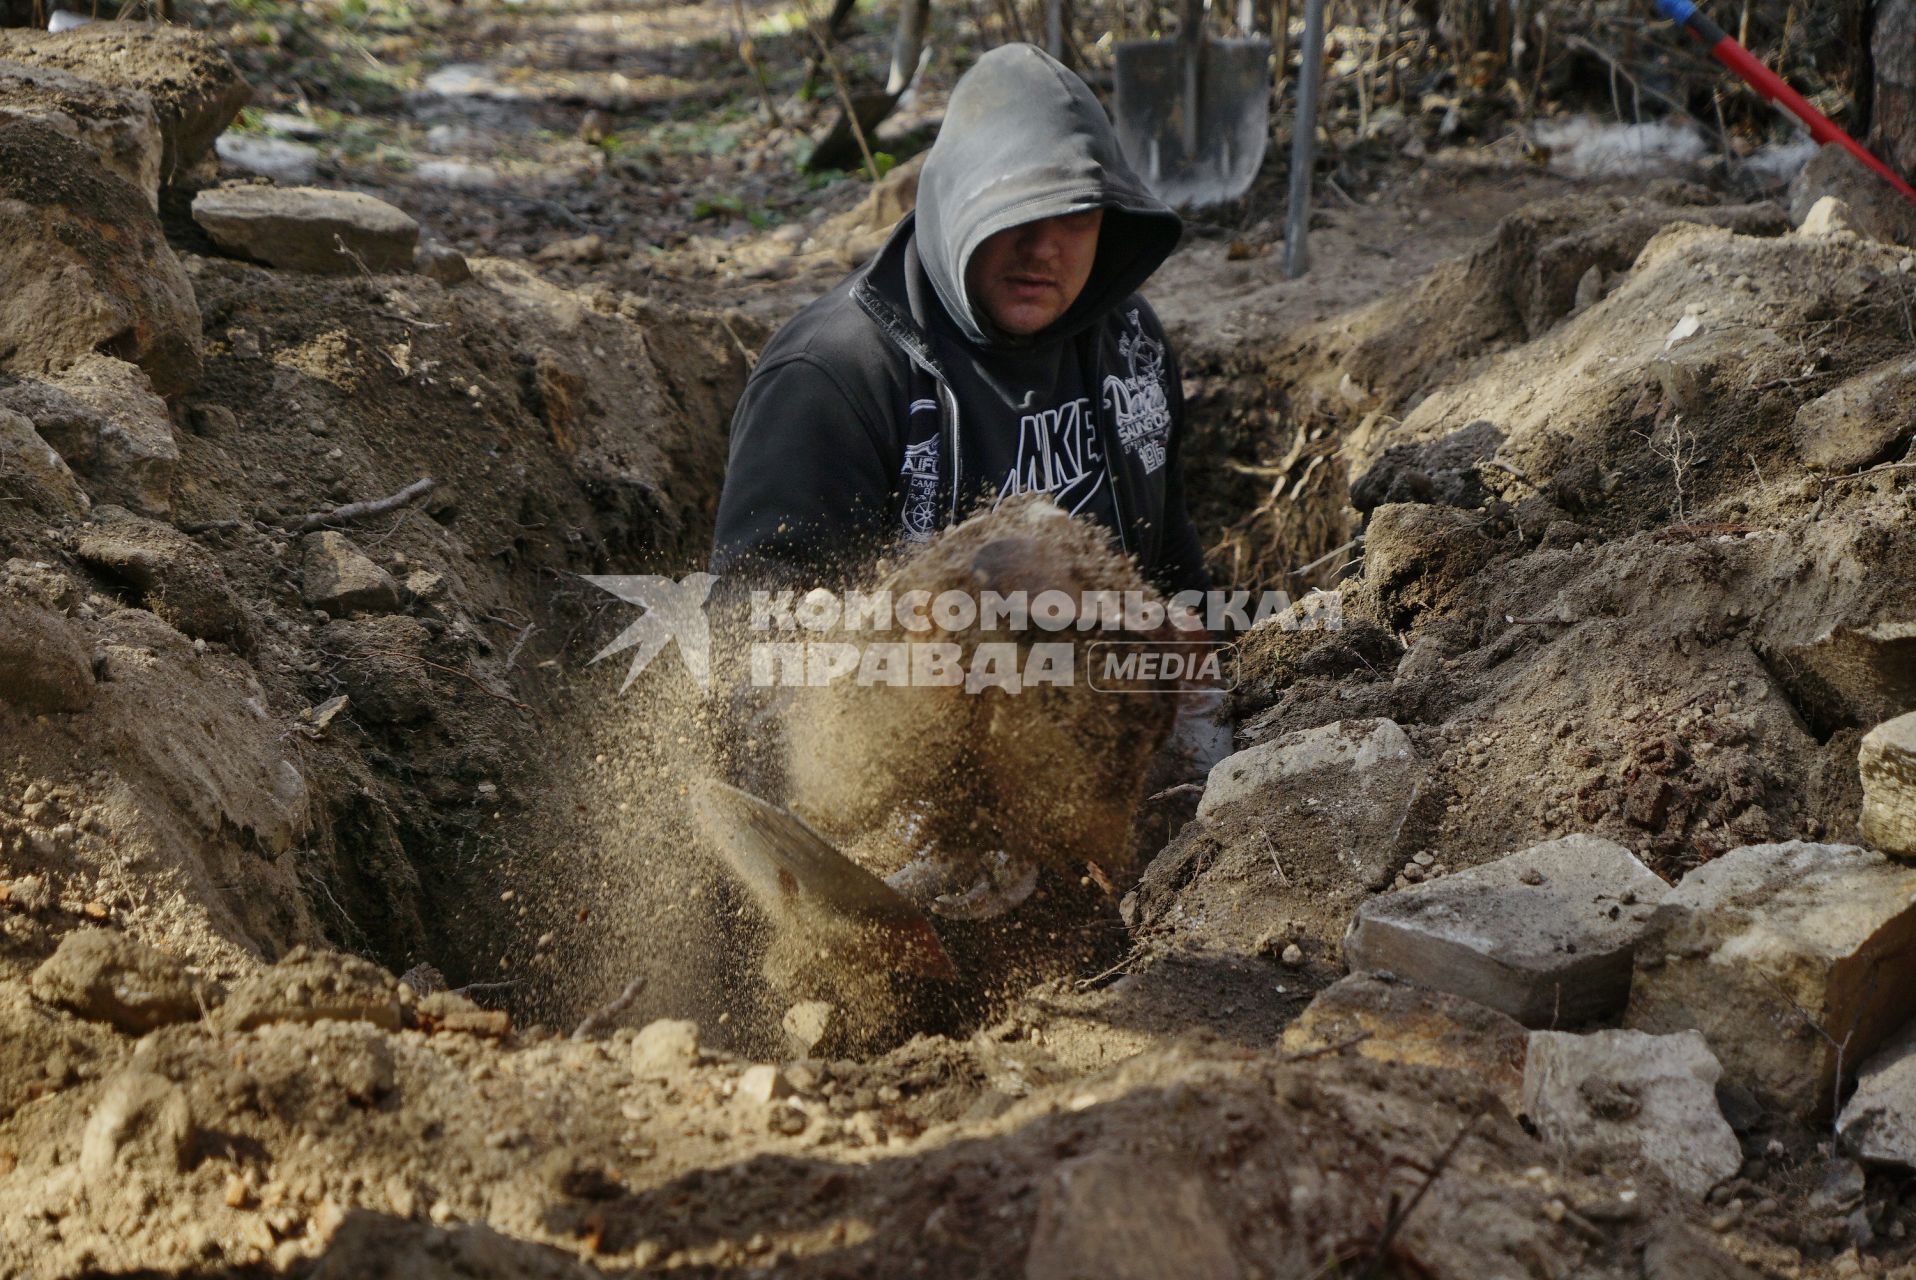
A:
{"x":1180,"y":564}
{"x":806,"y":483}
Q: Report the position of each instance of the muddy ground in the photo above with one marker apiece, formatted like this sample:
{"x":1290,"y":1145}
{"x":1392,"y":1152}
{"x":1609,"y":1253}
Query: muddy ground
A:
{"x":1583,"y":562}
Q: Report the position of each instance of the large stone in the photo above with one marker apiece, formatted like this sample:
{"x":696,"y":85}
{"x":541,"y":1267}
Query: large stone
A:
{"x":1878,"y":1123}
{"x":195,"y":89}
{"x":142,"y":1121}
{"x":1353,"y":746}
{"x":1779,"y":954}
{"x":1545,"y":935}
{"x":1862,"y":421}
{"x":102,"y":416}
{"x":32,"y":469}
{"x":1887,"y":762}
{"x":118,"y":125}
{"x":86,"y":265}
{"x":44,"y":664}
{"x":1828,"y":216}
{"x":1360,"y":776}
{"x":1387,"y":1020}
{"x":665,"y":1048}
{"x":339,"y":578}
{"x":110,"y":977}
{"x":1116,"y":1217}
{"x":1623,"y":1096}
{"x":814,"y":1028}
{"x":308,"y":228}
{"x":171,"y":574}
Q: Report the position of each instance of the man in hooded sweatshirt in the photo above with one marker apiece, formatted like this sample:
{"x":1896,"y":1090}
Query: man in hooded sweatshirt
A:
{"x":995,"y":346}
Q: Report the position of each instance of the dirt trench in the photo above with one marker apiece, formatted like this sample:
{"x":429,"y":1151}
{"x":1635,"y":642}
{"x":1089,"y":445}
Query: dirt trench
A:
{"x":1584,"y":565}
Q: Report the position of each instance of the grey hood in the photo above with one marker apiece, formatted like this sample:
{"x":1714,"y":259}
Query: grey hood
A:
{"x":1025,"y":139}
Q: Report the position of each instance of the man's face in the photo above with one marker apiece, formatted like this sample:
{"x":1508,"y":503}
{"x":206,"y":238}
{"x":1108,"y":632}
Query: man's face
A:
{"x":1027,"y":276}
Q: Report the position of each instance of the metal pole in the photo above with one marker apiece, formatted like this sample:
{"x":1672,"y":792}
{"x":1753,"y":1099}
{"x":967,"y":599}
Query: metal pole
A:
{"x":1310,"y":78}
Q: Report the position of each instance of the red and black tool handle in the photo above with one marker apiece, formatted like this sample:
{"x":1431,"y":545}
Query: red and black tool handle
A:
{"x":1771,"y":86}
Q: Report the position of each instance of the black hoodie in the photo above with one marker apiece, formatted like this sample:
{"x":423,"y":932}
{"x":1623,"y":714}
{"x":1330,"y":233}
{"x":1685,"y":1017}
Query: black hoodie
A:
{"x":891,"y":407}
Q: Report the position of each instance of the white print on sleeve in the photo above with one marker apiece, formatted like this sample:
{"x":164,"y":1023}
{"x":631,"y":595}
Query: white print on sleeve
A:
{"x":1058,"y":454}
{"x":1140,"y":402}
{"x":920,"y":474}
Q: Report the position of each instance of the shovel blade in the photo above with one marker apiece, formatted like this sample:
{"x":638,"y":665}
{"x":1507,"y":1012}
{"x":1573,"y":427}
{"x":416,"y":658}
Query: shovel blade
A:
{"x":806,"y":885}
{"x":1233,"y":117}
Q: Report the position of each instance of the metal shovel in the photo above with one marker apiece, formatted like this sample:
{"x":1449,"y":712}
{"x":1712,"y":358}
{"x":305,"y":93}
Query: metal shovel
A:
{"x":1193,"y":113}
{"x":813,"y":892}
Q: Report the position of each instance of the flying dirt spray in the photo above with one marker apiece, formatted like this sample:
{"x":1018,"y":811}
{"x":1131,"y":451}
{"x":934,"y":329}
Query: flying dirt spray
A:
{"x":906,"y":851}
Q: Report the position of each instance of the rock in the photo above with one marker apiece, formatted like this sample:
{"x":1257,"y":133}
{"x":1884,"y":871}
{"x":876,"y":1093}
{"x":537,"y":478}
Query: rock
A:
{"x":1887,"y":763}
{"x":142,"y":1121}
{"x":1863,"y":421}
{"x":308,"y":228}
{"x":1354,"y":746}
{"x":1626,"y":1096}
{"x":1116,"y":1217}
{"x":341,"y":579}
{"x":45,"y":666}
{"x":813,"y":1028}
{"x":1752,"y":948}
{"x":87,"y":266}
{"x":195,"y":90}
{"x":442,"y":263}
{"x":117,"y":125}
{"x":1357,"y":775}
{"x":1545,"y":935}
{"x":1878,"y":1123}
{"x":102,"y":416}
{"x":1851,"y":676}
{"x":1873,"y":207}
{"x":109,"y":977}
{"x":763,"y":1084}
{"x":460,"y":175}
{"x":33,"y":469}
{"x":1387,"y":1020}
{"x":1826,"y":217}
{"x":314,"y":986}
{"x":290,"y":163}
{"x":665,"y":1048}
{"x":169,"y":573}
